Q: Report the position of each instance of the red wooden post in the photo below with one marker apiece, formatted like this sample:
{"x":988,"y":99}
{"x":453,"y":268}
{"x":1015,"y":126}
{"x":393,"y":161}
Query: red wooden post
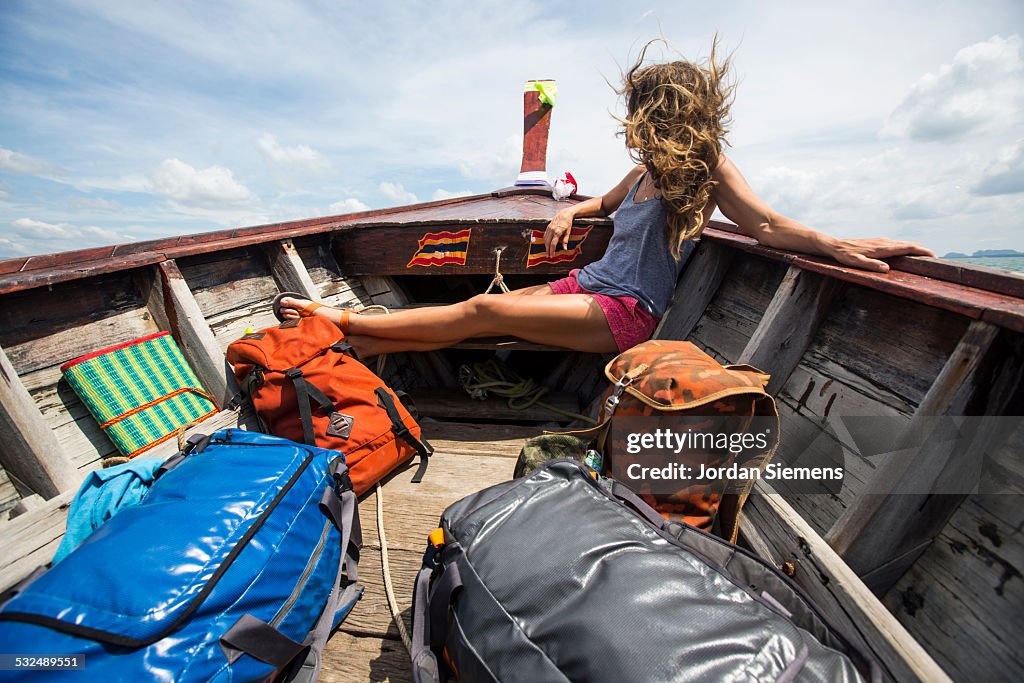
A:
{"x":536,"y":123}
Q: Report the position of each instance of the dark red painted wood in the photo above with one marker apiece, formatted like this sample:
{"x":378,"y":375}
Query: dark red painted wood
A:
{"x":389,"y":250}
{"x":536,"y":124}
{"x":999,"y":309}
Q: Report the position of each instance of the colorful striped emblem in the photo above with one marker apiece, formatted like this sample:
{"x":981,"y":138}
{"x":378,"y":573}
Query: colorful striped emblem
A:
{"x":442,"y":248}
{"x":538,"y":254}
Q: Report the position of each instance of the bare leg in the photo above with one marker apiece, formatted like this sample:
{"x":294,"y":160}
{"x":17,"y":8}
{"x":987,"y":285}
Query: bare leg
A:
{"x":572,"y":321}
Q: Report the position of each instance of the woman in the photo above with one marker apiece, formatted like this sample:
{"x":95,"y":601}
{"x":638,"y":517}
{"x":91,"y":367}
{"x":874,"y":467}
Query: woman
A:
{"x":674,"y":128}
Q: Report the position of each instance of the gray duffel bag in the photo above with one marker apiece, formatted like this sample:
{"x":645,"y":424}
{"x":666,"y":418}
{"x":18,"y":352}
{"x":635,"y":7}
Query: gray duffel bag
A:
{"x":561,"y":576}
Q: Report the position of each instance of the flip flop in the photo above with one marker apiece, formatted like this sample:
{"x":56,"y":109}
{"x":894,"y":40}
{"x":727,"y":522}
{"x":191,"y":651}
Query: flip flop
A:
{"x":304,"y":312}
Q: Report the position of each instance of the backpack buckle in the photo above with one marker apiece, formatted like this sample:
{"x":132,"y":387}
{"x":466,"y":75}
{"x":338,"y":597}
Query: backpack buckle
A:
{"x":342,"y":483}
{"x":293,"y":373}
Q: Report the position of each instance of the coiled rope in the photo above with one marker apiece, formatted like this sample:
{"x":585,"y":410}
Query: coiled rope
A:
{"x":492,"y":377}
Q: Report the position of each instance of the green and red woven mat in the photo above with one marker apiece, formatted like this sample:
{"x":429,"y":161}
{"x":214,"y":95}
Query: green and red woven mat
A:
{"x":140,"y":391}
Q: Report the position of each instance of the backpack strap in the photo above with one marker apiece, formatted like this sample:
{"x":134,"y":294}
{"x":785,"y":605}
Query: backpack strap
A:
{"x":306,"y":390}
{"x":401,"y":431}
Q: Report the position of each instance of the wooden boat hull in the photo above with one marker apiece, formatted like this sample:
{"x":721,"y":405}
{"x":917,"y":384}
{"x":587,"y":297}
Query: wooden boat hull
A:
{"x":927,"y":339}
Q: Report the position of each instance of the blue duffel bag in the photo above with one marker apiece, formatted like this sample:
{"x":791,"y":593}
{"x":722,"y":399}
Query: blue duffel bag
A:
{"x":237,"y":565}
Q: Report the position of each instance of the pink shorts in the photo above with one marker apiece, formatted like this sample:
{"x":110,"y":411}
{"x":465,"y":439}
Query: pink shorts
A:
{"x":629,"y":322}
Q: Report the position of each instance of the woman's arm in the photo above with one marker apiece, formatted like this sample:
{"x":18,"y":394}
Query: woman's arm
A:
{"x":561,"y":225}
{"x":754,"y":217}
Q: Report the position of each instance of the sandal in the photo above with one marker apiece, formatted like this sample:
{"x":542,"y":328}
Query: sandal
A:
{"x":304,"y":312}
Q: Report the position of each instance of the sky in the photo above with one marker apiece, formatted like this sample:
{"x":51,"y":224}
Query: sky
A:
{"x":124,"y":121}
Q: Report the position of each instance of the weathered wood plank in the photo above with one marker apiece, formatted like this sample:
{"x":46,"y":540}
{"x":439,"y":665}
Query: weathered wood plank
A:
{"x":289,"y":270}
{"x":432,"y":367}
{"x":9,"y":496}
{"x":836,"y":590}
{"x":411,"y":511}
{"x":977,"y":304}
{"x":893,"y":344}
{"x":372,"y":616}
{"x":175,"y":308}
{"x":354,"y":659}
{"x":962,"y":598}
{"x":333,"y":286}
{"x":46,"y":328}
{"x":697,"y":286}
{"x":30,"y":451}
{"x":234,"y":290}
{"x":31,"y":539}
{"x":737,"y":308}
{"x":855,"y":535}
{"x":972,"y":275}
{"x":787,"y":326}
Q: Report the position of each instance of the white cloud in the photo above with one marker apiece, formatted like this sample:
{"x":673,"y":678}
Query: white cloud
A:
{"x":788,"y":190}
{"x":441,"y":193}
{"x":210,"y":187}
{"x":10,"y":247}
{"x":93,"y":204}
{"x":983,"y":87}
{"x":350,"y":205}
{"x":496,"y":165}
{"x":395,"y":193}
{"x":1004,"y":175}
{"x":16,"y":162}
{"x":300,"y":156}
{"x":44,"y":236}
{"x":27,"y":227}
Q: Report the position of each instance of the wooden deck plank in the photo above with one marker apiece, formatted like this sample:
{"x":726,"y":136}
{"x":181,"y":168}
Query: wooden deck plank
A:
{"x":355,"y":659}
{"x":467,"y":458}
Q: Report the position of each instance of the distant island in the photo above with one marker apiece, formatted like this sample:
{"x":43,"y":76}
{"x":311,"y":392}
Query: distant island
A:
{"x":985,"y":253}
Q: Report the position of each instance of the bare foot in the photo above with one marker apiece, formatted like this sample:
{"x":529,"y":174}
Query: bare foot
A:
{"x":292,"y":308}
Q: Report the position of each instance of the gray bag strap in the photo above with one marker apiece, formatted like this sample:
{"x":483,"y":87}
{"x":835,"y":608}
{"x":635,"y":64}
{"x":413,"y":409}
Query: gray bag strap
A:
{"x":436,"y":585}
{"x":343,"y":512}
{"x":424,"y":663}
{"x":260,"y":640}
{"x":626,"y":496}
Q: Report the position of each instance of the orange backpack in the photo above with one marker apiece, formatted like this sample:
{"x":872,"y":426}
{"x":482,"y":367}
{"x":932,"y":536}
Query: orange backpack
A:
{"x":675,"y":378}
{"x":307,"y":387}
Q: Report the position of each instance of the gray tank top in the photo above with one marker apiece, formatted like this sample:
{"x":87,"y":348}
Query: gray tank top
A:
{"x":637,"y":262}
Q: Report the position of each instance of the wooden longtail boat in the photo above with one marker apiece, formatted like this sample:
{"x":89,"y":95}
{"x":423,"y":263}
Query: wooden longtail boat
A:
{"x":931,"y":584}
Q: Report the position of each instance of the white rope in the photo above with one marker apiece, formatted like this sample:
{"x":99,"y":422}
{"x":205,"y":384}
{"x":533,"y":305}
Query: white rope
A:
{"x":499,"y":279}
{"x":396,"y":614}
{"x":382,"y":358}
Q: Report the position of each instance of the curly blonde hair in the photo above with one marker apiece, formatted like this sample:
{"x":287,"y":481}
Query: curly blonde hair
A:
{"x":677,"y":116}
